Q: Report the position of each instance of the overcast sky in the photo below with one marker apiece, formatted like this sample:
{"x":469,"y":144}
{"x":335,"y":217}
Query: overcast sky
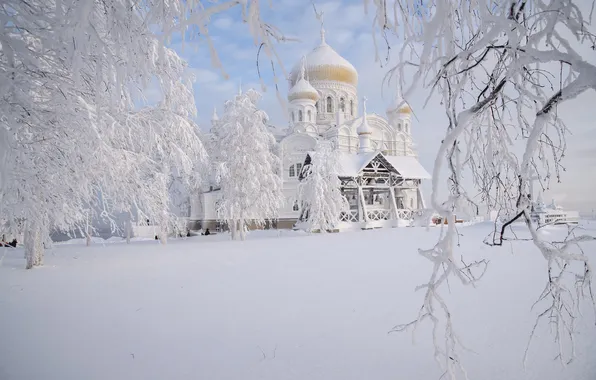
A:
{"x":348,"y":31}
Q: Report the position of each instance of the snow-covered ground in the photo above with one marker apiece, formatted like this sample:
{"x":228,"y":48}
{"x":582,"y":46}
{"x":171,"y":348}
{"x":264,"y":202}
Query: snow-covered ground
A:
{"x":277,"y":306}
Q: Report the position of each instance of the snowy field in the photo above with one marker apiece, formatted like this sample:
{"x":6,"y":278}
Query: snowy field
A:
{"x":276,"y":307}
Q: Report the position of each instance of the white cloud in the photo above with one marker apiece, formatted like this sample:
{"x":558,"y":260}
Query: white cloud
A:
{"x":203,"y":76}
{"x":343,"y":37}
{"x":223,"y":23}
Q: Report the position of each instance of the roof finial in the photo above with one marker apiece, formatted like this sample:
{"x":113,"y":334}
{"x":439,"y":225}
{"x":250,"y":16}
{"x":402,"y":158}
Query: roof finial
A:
{"x":320,"y":17}
{"x":364,"y":132}
{"x":240,"y":87}
{"x":303,"y":68}
{"x":214,"y":117}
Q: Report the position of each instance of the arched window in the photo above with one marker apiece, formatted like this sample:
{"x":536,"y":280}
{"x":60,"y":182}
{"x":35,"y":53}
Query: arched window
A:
{"x":295,"y":207}
{"x":309,"y":115}
{"x":298,"y":169}
{"x":407,"y":128}
{"x":292,"y":115}
{"x":292,"y":171}
{"x":399,"y":127}
{"x":352,"y":107}
{"x":317,"y":106}
{"x":329,"y":105}
{"x":342,"y":104}
{"x":300,"y":115}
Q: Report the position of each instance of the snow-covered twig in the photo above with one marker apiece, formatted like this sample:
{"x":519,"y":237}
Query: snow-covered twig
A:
{"x":500,"y":70}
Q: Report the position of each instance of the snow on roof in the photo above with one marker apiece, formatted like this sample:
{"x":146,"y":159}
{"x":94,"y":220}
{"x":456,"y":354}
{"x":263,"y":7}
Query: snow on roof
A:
{"x":406,"y":166}
{"x":301,"y":87}
{"x":352,"y":164}
{"x":323,"y":55}
{"x":364,"y":128}
{"x":398,"y":102}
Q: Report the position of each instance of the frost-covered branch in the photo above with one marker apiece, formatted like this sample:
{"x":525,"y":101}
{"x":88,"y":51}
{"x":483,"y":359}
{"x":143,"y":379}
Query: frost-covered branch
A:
{"x":73,"y":77}
{"x":500,"y":69}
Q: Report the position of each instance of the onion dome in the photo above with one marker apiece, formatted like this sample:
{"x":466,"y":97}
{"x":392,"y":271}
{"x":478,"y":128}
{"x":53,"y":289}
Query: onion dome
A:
{"x":302,"y":89}
{"x":364,"y":128}
{"x":325,"y":64}
{"x":399,"y":104}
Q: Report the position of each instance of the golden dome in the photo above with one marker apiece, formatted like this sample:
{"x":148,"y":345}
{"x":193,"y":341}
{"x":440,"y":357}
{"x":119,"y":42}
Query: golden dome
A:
{"x":399,"y":105}
{"x":303,"y":89}
{"x":333,"y":73}
{"x":304,"y":95}
{"x":325,"y":64}
{"x":405,"y":109}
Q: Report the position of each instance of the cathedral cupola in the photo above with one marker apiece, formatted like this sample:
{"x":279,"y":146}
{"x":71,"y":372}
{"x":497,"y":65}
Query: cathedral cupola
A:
{"x":399,"y":114}
{"x":303,"y":90}
{"x":303,"y":98}
{"x":364,"y":132}
{"x":333,"y":77}
{"x":325,"y":64}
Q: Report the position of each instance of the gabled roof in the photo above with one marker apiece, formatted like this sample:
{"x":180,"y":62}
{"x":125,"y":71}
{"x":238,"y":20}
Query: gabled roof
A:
{"x":406,"y":166}
{"x":352,"y":164}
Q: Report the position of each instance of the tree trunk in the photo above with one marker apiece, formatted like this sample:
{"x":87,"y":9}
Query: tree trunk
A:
{"x":128,"y":228}
{"x":29,"y":243}
{"x":163,"y":230}
{"x":232,"y":228}
{"x":38,"y":257}
{"x":88,"y":238}
{"x":33,"y":245}
{"x":88,"y":231}
{"x":241,"y":231}
{"x":47,"y":240}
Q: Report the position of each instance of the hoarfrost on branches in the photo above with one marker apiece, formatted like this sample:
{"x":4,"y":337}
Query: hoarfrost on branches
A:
{"x":319,"y":192}
{"x":246,"y":167}
{"x":500,"y":69}
{"x":71,"y":138}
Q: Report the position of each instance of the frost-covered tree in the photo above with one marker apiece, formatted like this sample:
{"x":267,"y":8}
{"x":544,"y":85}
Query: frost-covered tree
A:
{"x":71,"y":75}
{"x":500,"y":69}
{"x":319,"y":192}
{"x":246,"y":167}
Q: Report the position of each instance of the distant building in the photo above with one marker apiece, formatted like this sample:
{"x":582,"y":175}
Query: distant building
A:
{"x":380,"y":175}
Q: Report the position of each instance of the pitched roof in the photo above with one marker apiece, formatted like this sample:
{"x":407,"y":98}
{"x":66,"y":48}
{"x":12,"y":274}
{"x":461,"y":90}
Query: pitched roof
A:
{"x":406,"y":166}
{"x":352,"y":164}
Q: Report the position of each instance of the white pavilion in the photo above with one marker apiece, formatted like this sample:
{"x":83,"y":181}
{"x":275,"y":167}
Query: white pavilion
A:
{"x":380,"y":174}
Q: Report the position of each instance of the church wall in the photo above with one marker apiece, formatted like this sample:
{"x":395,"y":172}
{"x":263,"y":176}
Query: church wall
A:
{"x":335,"y":91}
{"x":303,"y":106}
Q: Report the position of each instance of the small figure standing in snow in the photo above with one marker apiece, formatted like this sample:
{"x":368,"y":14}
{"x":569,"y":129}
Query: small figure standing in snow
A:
{"x":207,"y":232}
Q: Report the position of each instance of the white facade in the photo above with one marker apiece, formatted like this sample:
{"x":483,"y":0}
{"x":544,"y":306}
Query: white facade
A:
{"x":323,"y":103}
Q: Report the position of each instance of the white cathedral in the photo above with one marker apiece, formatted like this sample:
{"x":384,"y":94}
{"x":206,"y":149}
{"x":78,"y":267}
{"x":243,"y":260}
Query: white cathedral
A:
{"x":380,"y":172}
